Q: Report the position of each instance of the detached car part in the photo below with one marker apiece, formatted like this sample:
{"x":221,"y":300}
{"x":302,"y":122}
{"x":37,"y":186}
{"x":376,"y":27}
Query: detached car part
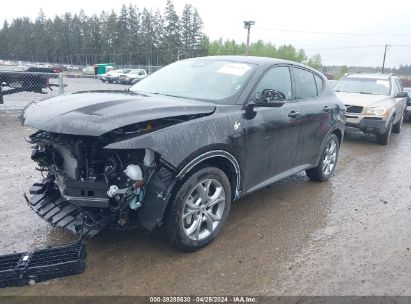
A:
{"x":25,"y":268}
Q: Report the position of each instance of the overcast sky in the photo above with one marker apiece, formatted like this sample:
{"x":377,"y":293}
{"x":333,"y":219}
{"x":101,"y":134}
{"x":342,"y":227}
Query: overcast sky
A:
{"x":390,"y":21}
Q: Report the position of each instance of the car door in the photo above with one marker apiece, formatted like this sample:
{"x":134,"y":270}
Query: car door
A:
{"x":315,"y":110}
{"x":271,"y":132}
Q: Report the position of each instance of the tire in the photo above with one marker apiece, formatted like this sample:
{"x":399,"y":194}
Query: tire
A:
{"x":398,"y":126}
{"x":188,"y":211}
{"x":328,"y":160}
{"x":383,"y":139}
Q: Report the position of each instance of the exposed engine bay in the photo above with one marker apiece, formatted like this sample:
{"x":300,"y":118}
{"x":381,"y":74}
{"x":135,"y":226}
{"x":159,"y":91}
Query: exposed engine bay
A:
{"x":84,"y":181}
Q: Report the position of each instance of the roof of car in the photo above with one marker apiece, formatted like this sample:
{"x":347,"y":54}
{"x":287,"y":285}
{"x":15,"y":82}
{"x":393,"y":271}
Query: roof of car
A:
{"x":250,"y":60}
{"x":371,"y":76}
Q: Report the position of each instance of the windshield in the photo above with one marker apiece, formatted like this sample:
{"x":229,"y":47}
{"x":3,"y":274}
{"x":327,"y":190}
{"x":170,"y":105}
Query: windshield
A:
{"x":217,"y":81}
{"x":363,"y":85}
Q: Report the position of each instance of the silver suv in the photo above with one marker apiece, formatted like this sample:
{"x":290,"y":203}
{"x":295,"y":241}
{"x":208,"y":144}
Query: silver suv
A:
{"x":375,"y":103}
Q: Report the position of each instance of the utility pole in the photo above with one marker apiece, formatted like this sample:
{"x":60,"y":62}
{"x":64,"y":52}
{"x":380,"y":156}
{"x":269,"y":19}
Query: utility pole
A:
{"x":247,"y":26}
{"x":385,"y":55}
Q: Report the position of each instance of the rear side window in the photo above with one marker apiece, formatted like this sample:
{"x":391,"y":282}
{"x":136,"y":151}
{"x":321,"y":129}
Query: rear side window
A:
{"x":279,"y":79}
{"x":305,"y":84}
{"x":319,"y":83}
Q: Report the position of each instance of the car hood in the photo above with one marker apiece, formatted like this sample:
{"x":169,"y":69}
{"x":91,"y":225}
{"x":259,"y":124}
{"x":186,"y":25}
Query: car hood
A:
{"x":95,"y":113}
{"x":363,"y":100}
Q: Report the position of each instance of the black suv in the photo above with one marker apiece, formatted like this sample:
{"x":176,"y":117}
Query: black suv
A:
{"x":178,"y":147}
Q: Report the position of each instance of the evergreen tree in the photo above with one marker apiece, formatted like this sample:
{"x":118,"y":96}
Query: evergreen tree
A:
{"x":123,"y":35}
{"x":4,"y":39}
{"x":133,"y":26}
{"x":186,"y":31}
{"x":172,"y":41}
{"x":197,"y":33}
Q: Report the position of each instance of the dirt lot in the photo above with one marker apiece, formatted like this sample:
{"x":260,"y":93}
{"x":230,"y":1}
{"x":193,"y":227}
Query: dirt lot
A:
{"x":348,"y":236}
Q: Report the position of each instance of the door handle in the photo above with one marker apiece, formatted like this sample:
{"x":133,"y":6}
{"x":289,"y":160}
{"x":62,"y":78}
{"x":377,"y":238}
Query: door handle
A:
{"x":326,"y":109}
{"x":293,"y":114}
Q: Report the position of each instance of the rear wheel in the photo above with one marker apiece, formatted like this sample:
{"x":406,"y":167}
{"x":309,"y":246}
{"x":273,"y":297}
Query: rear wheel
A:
{"x":328,"y":161}
{"x":383,"y":139}
{"x":199,"y":209}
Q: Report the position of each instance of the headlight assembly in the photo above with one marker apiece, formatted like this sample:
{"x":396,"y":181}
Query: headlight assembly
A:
{"x":376,"y":111}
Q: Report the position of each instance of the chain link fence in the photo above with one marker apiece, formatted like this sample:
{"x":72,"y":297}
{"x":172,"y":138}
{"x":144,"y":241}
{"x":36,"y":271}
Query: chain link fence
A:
{"x":19,"y":88}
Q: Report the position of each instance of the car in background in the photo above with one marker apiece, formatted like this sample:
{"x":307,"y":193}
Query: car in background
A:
{"x":408,"y":110}
{"x":113,"y":75}
{"x":375,"y":103}
{"x":88,"y":70}
{"x":133,"y":76}
{"x":179,"y":146}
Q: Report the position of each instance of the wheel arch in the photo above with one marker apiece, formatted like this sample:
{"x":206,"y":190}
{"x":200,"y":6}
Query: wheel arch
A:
{"x":337,"y":132}
{"x":218,"y":158}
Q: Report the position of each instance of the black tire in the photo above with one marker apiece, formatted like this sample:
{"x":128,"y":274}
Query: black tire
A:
{"x":317,"y":173}
{"x":383,"y":139}
{"x":398,"y":126}
{"x":173,"y":222}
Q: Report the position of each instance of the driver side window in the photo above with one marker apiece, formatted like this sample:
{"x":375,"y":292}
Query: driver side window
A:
{"x":277,"y":78}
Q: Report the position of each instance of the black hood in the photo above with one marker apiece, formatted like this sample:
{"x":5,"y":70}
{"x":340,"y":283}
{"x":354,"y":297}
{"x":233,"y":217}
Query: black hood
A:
{"x":95,"y":113}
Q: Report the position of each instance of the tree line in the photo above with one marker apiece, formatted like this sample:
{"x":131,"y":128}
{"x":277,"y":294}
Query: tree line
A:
{"x":130,"y":37}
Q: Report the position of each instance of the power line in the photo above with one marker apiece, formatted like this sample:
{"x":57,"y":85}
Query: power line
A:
{"x":344,"y":47}
{"x":355,"y":47}
{"x":330,"y":33}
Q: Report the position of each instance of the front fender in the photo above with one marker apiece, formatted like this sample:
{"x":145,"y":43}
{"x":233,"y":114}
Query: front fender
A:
{"x":178,"y":146}
{"x":179,"y":143}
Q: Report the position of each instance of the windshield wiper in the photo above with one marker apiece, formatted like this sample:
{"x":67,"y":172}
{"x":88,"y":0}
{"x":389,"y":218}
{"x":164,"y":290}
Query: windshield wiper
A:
{"x":368,"y":93}
{"x":155,"y":93}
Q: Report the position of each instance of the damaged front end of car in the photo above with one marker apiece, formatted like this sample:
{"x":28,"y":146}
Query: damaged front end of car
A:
{"x":86,"y":187}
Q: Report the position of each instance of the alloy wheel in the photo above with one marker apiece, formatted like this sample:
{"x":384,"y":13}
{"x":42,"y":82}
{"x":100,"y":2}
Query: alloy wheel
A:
{"x":203,"y":209}
{"x":330,"y":157}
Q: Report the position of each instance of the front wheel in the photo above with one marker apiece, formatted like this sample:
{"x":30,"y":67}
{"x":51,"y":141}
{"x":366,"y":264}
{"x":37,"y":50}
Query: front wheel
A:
{"x":199,"y":209}
{"x":328,"y":161}
{"x":383,"y":139}
{"x":398,"y":126}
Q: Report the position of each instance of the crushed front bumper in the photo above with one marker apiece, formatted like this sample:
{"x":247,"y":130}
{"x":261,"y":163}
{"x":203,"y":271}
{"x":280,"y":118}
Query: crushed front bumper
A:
{"x":48,"y":203}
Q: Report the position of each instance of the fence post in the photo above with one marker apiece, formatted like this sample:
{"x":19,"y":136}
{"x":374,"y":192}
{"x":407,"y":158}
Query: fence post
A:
{"x":61,"y":84}
{"x":1,"y":93}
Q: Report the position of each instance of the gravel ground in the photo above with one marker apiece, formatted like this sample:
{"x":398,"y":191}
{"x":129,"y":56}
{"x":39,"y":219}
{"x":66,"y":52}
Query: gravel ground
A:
{"x":348,"y":236}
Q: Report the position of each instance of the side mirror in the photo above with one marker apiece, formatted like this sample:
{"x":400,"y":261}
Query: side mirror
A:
{"x":401,"y":95}
{"x":271,"y":98}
